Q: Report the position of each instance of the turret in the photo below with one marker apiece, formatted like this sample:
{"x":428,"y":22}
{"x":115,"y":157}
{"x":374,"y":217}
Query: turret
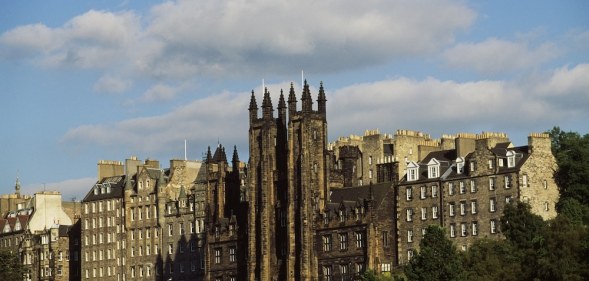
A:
{"x":253,"y":108}
{"x":321,"y":100}
{"x":306,"y":99}
{"x":17,"y":187}
{"x":292,"y":101}
{"x":235,"y":159}
{"x":267,"y":110}
{"x":282,"y":109}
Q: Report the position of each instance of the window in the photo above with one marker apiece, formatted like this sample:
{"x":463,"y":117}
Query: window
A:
{"x":327,"y":273}
{"x":462,"y":208}
{"x":359,"y":240}
{"x":472,"y":166}
{"x":423,"y":192}
{"x":450,"y":188}
{"x":507,"y":181}
{"x":409,"y":254}
{"x":451,"y":209}
{"x":493,"y":226}
{"x":525,"y":181}
{"x":343,"y":241}
{"x":170,"y":230}
{"x":232,"y":254}
{"x":492,"y":183}
{"x":490,"y":163}
{"x":385,"y":239}
{"x":409,"y":192}
{"x":181,"y":228}
{"x":510,"y":159}
{"x":327,"y":243}
{"x":344,"y":270}
{"x":473,"y":187}
{"x":492,"y":205}
{"x":434,"y":191}
{"x":473,"y":207}
{"x":170,"y":248}
{"x":409,"y":214}
{"x":409,"y":236}
{"x":412,"y":174}
{"x":508,"y":199}
{"x":462,"y":187}
{"x":500,"y":162}
{"x":385,"y":267}
{"x":546,"y":206}
{"x":475,"y":228}
{"x":433,"y":171}
{"x":463,"y":229}
{"x":218,"y":255}
{"x":423,"y":213}
{"x":545,"y":183}
{"x":452,"y":230}
{"x":192,"y":227}
{"x":434,"y":212}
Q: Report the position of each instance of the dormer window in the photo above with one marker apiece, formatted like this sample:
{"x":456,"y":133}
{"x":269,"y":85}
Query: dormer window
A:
{"x":510,"y":159}
{"x":412,"y":171}
{"x":433,"y":168}
{"x":459,"y":165}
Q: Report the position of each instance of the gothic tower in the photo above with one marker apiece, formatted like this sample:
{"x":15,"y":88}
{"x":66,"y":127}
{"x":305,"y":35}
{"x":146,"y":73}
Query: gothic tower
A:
{"x":287,"y":184}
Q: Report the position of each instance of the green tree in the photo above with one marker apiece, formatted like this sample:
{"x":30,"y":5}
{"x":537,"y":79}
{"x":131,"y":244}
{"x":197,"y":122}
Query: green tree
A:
{"x":488,"y":260}
{"x":10,"y":266}
{"x":526,"y":234}
{"x":436,"y":260}
{"x":571,"y":151}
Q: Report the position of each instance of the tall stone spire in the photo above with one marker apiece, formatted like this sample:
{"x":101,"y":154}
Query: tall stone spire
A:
{"x":267,"y":105}
{"x":282,"y":108}
{"x":321,"y":99}
{"x":253,"y":108}
{"x":292,"y":101}
{"x":306,"y":99}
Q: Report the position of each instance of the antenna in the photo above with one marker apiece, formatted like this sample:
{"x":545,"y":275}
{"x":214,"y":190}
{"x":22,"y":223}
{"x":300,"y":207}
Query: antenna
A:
{"x":302,"y":79}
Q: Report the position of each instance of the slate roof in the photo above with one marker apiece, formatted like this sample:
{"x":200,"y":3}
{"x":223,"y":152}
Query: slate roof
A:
{"x":354,"y":194}
{"x":117,"y":186}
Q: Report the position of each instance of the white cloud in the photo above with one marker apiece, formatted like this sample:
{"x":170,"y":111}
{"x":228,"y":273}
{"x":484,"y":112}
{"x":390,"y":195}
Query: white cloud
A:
{"x":95,"y":39}
{"x":69,"y":188}
{"x":159,"y":92}
{"x":496,"y":55}
{"x":112,"y":85}
{"x":184,"y":38}
{"x":431,"y":105}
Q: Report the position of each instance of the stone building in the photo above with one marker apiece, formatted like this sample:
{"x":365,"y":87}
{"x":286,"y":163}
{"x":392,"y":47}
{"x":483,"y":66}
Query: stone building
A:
{"x":44,"y":237}
{"x":103,"y":226}
{"x":466,"y":189}
{"x":354,"y":232}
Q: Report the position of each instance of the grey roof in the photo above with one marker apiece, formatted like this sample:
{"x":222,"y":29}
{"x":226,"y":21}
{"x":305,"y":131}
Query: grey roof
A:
{"x":353,"y":194}
{"x":117,"y":186}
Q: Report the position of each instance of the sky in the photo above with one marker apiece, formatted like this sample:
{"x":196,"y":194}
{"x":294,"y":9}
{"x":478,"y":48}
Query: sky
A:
{"x":83,"y":81}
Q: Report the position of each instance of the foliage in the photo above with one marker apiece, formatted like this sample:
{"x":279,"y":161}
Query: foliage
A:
{"x":371,"y":275}
{"x":437,"y":258}
{"x":571,"y":151}
{"x":10,"y":266}
{"x":491,"y":260}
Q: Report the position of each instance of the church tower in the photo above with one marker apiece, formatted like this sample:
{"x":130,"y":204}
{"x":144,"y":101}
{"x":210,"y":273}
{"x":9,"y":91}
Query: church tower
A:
{"x":287,"y":185}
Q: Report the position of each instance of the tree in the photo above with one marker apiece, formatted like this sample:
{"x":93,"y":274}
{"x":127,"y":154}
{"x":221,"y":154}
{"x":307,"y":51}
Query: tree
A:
{"x":437,"y":258}
{"x":488,"y":260}
{"x":10,"y":266}
{"x":571,"y":151}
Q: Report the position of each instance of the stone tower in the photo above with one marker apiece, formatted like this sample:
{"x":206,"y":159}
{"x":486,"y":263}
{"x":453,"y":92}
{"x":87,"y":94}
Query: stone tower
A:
{"x":287,"y":184}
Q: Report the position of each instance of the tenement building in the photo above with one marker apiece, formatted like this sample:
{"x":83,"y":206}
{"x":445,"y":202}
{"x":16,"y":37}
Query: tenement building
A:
{"x":301,"y":208}
{"x":44,"y":237}
{"x":465,"y":189}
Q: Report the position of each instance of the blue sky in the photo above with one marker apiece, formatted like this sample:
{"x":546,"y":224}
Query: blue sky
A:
{"x":82,"y":81}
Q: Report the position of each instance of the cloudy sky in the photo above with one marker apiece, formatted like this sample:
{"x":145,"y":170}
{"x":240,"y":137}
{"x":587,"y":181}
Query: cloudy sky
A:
{"x":82,"y":81}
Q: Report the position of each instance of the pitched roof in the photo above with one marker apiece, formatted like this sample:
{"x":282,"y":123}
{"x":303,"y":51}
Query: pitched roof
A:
{"x":116,"y":184}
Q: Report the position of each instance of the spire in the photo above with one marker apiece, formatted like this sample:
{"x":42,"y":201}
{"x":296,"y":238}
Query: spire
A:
{"x":209,"y":157}
{"x":321,"y":99}
{"x":267,"y":105}
{"x":17,"y":186}
{"x":235,"y":159}
{"x":253,"y":108}
{"x":282,"y":108}
{"x":306,"y":98}
{"x":292,"y":101}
